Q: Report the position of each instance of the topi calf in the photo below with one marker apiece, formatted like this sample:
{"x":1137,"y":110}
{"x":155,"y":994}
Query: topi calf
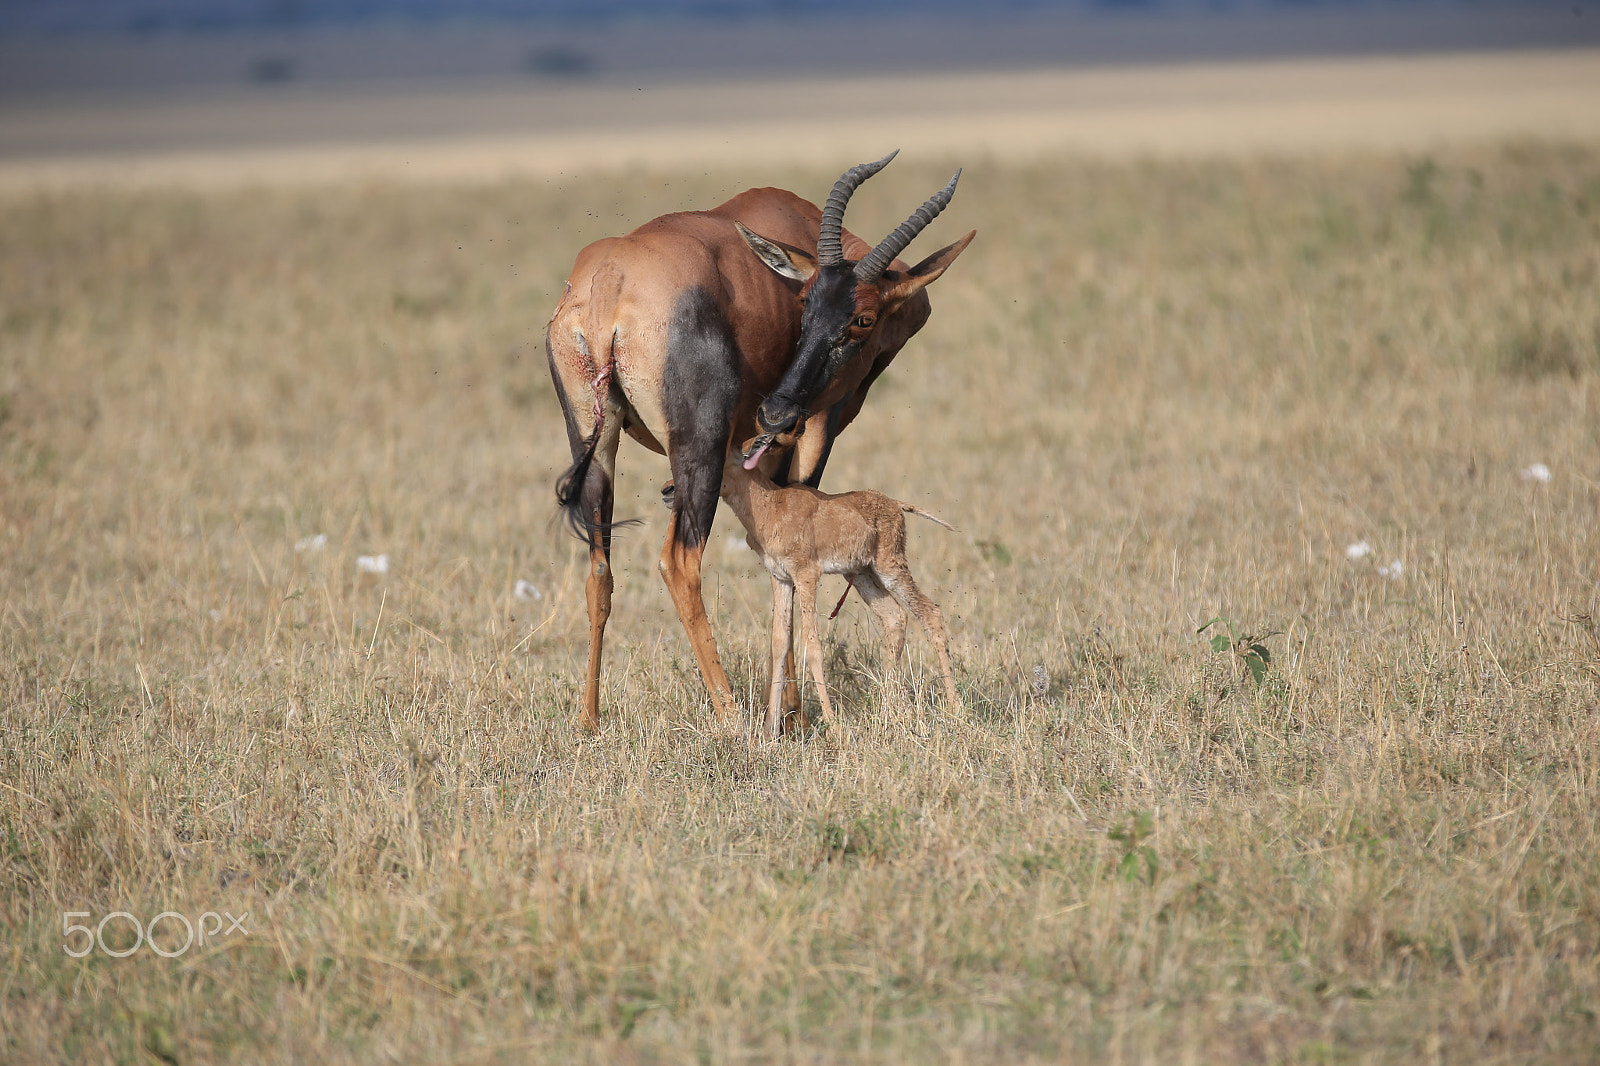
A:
{"x":802,"y":533}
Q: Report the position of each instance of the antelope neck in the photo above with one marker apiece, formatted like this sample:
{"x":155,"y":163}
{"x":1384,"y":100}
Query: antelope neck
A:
{"x":753,"y":497}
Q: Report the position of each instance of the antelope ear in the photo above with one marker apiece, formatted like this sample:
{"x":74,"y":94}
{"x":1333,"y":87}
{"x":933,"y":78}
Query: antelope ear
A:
{"x":785,"y":260}
{"x":901,"y":287}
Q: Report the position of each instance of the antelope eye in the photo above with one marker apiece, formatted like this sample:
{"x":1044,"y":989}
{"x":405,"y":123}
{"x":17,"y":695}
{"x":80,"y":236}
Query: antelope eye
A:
{"x":864,"y":322}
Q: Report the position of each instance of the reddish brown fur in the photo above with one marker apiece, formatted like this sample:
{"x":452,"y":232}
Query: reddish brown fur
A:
{"x":608,"y":341}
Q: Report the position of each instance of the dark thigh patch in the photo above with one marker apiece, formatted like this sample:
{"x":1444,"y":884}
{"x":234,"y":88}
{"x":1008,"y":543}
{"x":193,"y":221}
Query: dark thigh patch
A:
{"x":700,"y":391}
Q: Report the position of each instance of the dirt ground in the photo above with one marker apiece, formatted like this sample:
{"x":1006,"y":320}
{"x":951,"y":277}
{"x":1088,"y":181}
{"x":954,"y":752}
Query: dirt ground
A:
{"x":487,"y":130}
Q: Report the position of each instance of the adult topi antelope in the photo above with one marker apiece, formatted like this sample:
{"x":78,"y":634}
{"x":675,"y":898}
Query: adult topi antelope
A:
{"x":764,"y":317}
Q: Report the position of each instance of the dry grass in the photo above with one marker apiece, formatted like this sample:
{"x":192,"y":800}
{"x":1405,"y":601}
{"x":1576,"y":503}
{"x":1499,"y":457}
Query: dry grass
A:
{"x":1151,"y":394}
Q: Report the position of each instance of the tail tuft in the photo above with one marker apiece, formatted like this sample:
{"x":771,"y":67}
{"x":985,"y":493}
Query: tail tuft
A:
{"x":569,"y":495}
{"x":569,"y":490}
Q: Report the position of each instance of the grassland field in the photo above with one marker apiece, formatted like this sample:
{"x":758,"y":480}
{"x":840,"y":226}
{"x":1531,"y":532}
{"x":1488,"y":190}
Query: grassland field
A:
{"x":1152,"y":394}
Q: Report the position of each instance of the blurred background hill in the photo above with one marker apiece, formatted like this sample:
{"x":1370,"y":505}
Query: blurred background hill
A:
{"x":103,"y":88}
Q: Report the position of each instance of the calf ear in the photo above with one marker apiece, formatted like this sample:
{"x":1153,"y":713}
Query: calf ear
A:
{"x":899,"y":287}
{"x":784,"y":259}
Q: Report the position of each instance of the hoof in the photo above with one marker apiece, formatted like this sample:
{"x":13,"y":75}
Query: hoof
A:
{"x":795,"y":723}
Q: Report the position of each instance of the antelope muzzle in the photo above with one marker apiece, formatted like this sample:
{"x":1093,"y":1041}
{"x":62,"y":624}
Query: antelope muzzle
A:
{"x":774,"y":419}
{"x":760,"y":444}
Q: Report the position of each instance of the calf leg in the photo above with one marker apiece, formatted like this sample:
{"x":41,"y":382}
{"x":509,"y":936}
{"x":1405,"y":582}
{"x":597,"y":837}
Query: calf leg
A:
{"x":806,"y":588}
{"x":898,"y":580}
{"x":782,"y":632}
{"x":794,"y":713}
{"x":891,"y":616}
{"x":804,"y":464}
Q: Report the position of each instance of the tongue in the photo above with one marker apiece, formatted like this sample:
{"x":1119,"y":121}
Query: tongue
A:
{"x":755,"y":456}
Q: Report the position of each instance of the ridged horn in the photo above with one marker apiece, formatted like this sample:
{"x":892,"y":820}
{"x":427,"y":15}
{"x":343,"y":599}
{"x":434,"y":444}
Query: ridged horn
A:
{"x":830,"y":245}
{"x":871,"y":268}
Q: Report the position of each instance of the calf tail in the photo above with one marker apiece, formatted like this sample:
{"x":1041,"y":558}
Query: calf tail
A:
{"x":912,"y":509}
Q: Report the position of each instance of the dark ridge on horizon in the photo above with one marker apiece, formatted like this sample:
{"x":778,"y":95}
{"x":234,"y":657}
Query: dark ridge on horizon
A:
{"x":270,"y":44}
{"x":147,"y":17}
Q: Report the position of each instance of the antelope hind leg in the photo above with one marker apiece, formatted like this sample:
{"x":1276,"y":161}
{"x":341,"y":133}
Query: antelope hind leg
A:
{"x":931,"y":618}
{"x":597,"y":500}
{"x":891,"y":616}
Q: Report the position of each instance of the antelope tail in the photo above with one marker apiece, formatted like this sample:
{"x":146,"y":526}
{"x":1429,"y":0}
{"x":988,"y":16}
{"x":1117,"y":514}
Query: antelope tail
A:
{"x":569,"y":490}
{"x":569,"y":486}
{"x":911,"y":509}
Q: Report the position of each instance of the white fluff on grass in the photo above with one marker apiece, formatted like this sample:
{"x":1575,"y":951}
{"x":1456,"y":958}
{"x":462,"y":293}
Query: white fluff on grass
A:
{"x":372,"y":564}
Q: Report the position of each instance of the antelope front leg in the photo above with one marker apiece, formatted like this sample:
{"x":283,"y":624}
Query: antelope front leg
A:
{"x":680,"y":569}
{"x":793,"y":710}
{"x":806,"y":587}
{"x":782,"y":632}
{"x":805,"y":465}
